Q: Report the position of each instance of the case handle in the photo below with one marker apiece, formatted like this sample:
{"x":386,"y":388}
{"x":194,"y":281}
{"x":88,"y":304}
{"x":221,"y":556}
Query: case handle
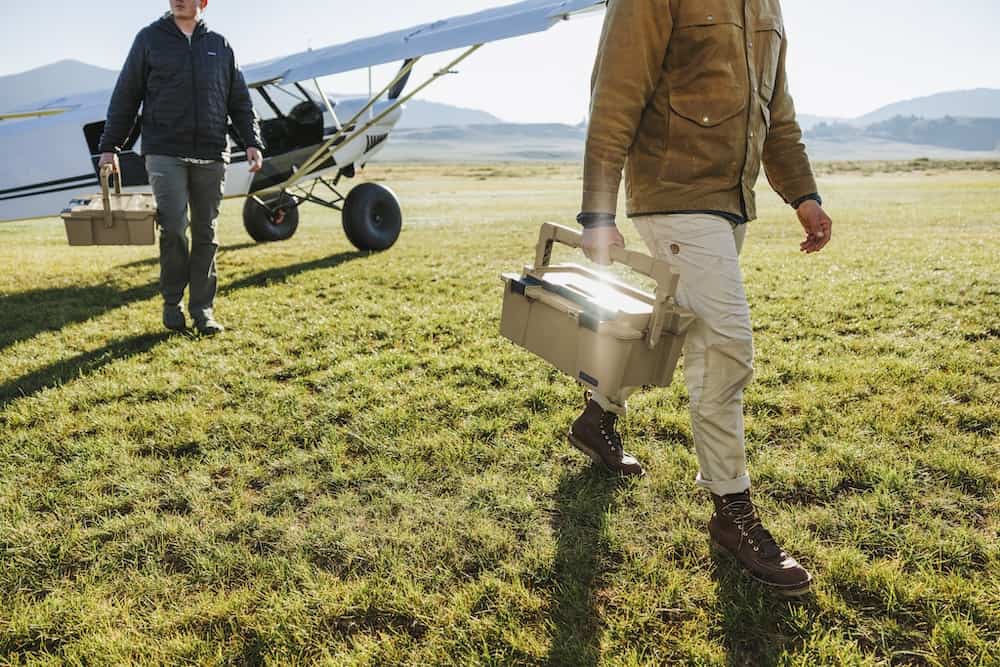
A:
{"x":658,"y":270}
{"x":106,"y":172}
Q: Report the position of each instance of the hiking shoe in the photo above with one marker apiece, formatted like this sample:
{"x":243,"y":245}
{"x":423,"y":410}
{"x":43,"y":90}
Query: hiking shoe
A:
{"x":736,"y":529}
{"x":595,"y":434}
{"x":207,"y":325}
{"x":173,"y":318}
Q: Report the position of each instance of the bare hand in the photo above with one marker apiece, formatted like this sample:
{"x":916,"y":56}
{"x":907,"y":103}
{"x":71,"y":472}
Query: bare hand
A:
{"x":109,"y":158}
{"x":255,"y":159}
{"x":597,"y":242}
{"x":817,"y":224}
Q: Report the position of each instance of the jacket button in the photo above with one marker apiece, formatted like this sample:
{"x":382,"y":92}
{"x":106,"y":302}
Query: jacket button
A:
{"x":705,"y":119}
{"x":711,"y":18}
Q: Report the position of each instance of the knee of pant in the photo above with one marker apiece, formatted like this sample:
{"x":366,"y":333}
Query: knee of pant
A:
{"x":204,"y":236}
{"x":728,"y":369}
{"x":172,"y":237}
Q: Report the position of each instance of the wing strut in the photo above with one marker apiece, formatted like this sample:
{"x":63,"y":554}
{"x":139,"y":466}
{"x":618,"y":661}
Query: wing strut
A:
{"x":320,"y":154}
{"x":329,"y":107}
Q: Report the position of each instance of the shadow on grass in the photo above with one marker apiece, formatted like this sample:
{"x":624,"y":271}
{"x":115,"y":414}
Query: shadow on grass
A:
{"x":24,"y":315}
{"x":155,"y":261}
{"x":758,"y":625}
{"x":67,"y":370}
{"x":27,"y":314}
{"x":283,"y":273}
{"x":583,"y":500}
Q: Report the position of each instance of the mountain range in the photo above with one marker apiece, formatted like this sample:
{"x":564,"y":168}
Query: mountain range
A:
{"x":70,"y":77}
{"x":921,"y":127}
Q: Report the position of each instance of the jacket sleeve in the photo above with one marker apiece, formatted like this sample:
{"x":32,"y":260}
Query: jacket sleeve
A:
{"x":126,"y":98}
{"x":785,"y":161}
{"x":628,"y":68}
{"x":241,"y":107}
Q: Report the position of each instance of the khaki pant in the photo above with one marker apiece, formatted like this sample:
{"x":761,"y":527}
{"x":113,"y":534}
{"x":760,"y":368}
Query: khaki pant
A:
{"x":718,"y":352}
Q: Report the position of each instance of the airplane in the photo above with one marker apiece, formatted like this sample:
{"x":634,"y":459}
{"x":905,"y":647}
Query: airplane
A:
{"x":312,"y":142}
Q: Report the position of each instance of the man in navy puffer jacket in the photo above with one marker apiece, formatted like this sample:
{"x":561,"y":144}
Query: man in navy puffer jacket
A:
{"x":188,"y":83}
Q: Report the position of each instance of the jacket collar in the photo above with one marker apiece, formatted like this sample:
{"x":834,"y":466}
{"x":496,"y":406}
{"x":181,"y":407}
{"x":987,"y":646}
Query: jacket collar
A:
{"x":167,"y":23}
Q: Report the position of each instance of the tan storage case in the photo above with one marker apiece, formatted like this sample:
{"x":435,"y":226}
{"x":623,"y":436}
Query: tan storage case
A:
{"x":111,"y":219}
{"x":602,"y":332}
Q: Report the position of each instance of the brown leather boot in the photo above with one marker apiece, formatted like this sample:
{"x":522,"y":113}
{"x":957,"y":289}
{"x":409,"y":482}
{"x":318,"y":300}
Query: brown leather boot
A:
{"x":736,"y":529}
{"x":595,"y":434}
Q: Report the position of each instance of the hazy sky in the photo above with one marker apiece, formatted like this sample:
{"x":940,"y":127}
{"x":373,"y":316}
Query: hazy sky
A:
{"x":847,"y":57}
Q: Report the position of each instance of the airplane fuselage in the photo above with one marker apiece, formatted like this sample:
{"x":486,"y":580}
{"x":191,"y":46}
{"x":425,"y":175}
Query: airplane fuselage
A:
{"x":51,"y":160}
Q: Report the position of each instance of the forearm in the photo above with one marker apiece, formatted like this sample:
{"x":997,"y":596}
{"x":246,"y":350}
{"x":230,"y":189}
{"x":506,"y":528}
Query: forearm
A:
{"x":241,"y":109}
{"x":629,"y":64}
{"x":786,"y":162}
{"x":125,"y":100}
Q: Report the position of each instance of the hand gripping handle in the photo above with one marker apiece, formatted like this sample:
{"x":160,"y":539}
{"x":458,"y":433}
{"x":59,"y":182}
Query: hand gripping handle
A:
{"x":106,"y":173}
{"x":658,"y":270}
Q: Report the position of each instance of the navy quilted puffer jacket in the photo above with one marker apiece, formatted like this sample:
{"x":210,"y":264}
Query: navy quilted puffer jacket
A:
{"x":187,"y":92}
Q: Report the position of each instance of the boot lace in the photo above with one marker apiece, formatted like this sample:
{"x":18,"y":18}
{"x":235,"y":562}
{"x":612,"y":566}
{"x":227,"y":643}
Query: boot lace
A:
{"x":609,"y":431}
{"x":744,"y":515}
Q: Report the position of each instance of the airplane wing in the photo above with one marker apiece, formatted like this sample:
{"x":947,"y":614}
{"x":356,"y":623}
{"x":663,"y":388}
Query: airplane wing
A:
{"x":490,"y":25}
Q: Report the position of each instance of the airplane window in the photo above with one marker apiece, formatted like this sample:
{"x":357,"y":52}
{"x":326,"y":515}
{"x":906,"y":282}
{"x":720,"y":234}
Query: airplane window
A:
{"x":264,"y":110}
{"x":282,"y":97}
{"x":286,"y":99}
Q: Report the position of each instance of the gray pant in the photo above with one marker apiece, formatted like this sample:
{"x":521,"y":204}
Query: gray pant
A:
{"x":178,"y":184}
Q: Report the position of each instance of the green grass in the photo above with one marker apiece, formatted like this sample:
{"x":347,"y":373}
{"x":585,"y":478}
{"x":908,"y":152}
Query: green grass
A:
{"x":360,"y":471}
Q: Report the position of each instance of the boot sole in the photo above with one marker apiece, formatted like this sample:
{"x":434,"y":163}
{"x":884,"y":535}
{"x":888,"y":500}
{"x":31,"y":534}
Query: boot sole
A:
{"x":596,"y":458}
{"x":787,"y":592}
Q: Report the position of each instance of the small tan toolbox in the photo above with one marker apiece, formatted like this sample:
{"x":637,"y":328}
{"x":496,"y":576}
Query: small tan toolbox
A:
{"x":602,"y":332}
{"x":111,"y":219}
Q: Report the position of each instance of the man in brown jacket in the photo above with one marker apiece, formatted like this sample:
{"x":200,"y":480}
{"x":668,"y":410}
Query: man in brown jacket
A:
{"x":690,"y":97}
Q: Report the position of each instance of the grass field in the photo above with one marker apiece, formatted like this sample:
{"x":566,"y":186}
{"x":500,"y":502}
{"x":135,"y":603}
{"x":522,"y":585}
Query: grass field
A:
{"x":360,"y":471}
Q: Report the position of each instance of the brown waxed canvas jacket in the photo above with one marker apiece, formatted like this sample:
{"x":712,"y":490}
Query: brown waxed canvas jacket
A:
{"x":690,"y":96}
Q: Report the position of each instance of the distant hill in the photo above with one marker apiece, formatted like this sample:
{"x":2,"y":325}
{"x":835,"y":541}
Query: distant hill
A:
{"x":66,"y":77}
{"x":428,"y":114}
{"x":512,"y":142}
{"x":548,"y":142}
{"x":978,"y":103}
{"x":71,"y":77}
{"x":964,"y":134}
{"x":971,"y":134}
{"x":809,"y":121}
{"x":421,"y":114}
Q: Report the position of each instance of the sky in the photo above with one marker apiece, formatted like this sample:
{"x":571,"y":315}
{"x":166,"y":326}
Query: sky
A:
{"x":846,"y":57}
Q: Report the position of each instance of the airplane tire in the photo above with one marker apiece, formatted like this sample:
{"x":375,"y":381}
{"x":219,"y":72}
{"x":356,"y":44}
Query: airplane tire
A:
{"x":265,"y":227}
{"x":372,"y":217}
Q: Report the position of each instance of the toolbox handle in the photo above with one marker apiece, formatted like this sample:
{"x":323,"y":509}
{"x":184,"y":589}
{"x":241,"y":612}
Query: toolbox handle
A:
{"x":658,"y":270}
{"x":106,"y":172}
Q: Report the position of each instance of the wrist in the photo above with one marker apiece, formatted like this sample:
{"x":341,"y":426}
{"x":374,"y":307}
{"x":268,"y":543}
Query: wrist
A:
{"x":596,"y":220}
{"x":810,"y":197}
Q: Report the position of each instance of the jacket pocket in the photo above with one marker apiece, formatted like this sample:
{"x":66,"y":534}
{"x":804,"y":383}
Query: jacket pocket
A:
{"x":768,"y":33}
{"x":704,"y":134}
{"x":708,"y":89}
{"x":706,"y":65}
{"x":708,"y":110}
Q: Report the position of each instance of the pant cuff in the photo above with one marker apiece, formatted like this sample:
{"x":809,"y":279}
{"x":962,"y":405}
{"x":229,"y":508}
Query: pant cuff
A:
{"x":724,"y":488}
{"x":608,"y":405}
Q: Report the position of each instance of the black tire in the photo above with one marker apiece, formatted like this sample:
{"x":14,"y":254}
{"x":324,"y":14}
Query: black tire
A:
{"x":277,"y":223}
{"x":372,"y":217}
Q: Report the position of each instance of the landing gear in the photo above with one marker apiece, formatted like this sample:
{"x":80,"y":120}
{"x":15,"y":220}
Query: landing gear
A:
{"x":273,"y":220}
{"x":372,"y":217}
{"x":371,"y":214}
